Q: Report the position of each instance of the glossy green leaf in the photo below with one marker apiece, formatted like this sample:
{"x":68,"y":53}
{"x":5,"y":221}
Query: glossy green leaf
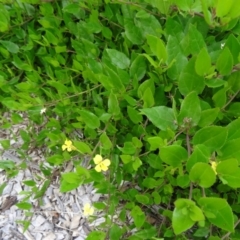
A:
{"x":229,"y":172}
{"x":148,"y":98}
{"x":90,"y":119}
{"x":190,"y":109}
{"x":155,"y":143}
{"x":94,"y":235}
{"x":176,"y":59}
{"x":185,"y":214}
{"x":143,"y":199}
{"x":82,"y":147}
{"x":134,"y":115}
{"x":203,"y":62}
{"x":231,"y":150}
{"x":212,"y":137}
{"x":24,"y":205}
{"x":220,"y":98}
{"x":218,"y":212}
{"x":189,"y":80}
{"x":157,"y":47}
{"x":138,"y":67}
{"x":225,"y":62}
{"x":162,"y":117}
{"x":235,"y":10}
{"x":115,"y":232}
{"x":193,"y":41}
{"x":208,"y":116}
{"x":202,"y":174}
{"x":132,"y":32}
{"x":119,"y":59}
{"x":173,"y":155}
{"x":148,"y":233}
{"x":138,"y":216}
{"x":223,"y":7}
{"x":10,"y":46}
{"x":234,"y":129}
{"x":106,"y":143}
{"x":201,"y":153}
{"x":113,"y":105}
{"x":234,"y":46}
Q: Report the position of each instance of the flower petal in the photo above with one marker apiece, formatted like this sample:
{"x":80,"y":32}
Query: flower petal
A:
{"x":64,"y":147}
{"x":98,"y":168}
{"x":104,"y":168}
{"x":97,"y":159}
{"x":106,"y":162}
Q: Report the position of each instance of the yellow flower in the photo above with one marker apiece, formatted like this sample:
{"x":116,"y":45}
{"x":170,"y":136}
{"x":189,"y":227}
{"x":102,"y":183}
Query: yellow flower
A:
{"x":101,"y":165}
{"x":214,"y":166}
{"x":88,"y":210}
{"x":68,"y":145}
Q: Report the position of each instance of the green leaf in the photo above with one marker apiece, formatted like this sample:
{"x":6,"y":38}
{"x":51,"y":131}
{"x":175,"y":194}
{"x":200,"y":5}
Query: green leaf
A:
{"x":148,"y":98}
{"x":220,"y":98}
{"x":234,"y":129}
{"x":201,"y":153}
{"x":202,"y":174}
{"x":96,"y":235}
{"x":235,"y":10}
{"x":134,"y":115}
{"x":138,"y":67}
{"x":82,"y":147}
{"x":193,"y":41}
{"x":155,"y":143}
{"x":115,"y":232}
{"x":105,"y":141}
{"x":132,"y":32}
{"x":162,"y":117}
{"x":113,"y":105}
{"x":141,"y":198}
{"x":231,"y":150}
{"x":225,"y":62}
{"x":90,"y":119}
{"x":138,"y":216}
{"x":189,"y":80}
{"x":203,"y":62}
{"x":212,"y":137}
{"x":223,"y":7}
{"x":208,"y":116}
{"x":176,"y":59}
{"x":181,"y":219}
{"x":71,"y":177}
{"x":148,"y":233}
{"x":220,"y":209}
{"x":190,"y":109}
{"x":118,"y":59}
{"x":173,"y":155}
{"x":10,"y":46}
{"x":157,"y":47}
{"x":234,"y":46}
{"x":229,"y":171}
{"x":24,"y":205}
{"x":150,"y":183}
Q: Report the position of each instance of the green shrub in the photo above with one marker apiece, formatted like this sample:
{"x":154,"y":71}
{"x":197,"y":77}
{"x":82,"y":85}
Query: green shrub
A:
{"x":153,"y":87}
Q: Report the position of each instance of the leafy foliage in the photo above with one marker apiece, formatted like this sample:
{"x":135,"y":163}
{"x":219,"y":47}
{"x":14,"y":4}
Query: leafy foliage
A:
{"x":151,"y":85}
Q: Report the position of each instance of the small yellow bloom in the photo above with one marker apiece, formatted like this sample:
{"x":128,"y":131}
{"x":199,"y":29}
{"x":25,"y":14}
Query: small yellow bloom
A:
{"x":214,"y":166}
{"x":101,"y":165}
{"x":88,"y":210}
{"x":68,"y":145}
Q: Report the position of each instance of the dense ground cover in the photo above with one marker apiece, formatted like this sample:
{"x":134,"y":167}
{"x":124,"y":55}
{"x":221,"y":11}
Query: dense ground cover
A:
{"x":152,"y":86}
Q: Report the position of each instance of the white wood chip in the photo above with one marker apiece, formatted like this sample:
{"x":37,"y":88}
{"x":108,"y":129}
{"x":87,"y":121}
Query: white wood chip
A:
{"x":50,"y":236}
{"x":75,"y":221}
{"x":38,"y":221}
